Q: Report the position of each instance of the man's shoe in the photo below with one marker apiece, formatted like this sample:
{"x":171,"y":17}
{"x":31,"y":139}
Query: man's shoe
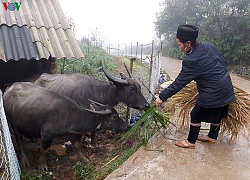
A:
{"x":185,"y":144}
{"x":206,"y":139}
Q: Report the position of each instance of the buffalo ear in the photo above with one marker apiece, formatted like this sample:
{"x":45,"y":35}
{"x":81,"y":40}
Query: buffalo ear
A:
{"x":91,"y":107}
{"x":96,"y":106}
{"x":94,"y":102}
{"x":123,"y":76}
{"x":111,"y":83}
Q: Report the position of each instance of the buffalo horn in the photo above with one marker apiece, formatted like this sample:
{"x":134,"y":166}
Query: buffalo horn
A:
{"x":102,"y":113}
{"x":112,"y":78}
{"x":130,"y":74}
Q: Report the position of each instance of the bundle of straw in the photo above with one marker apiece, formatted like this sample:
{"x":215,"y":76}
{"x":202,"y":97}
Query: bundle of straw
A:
{"x":237,"y":122}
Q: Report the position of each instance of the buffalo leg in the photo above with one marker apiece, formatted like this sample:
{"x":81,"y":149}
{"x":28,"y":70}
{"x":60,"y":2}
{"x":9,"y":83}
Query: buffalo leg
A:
{"x":42,"y":160}
{"x":76,"y":142}
{"x":23,"y":156}
{"x":45,"y":144}
{"x":93,"y":138}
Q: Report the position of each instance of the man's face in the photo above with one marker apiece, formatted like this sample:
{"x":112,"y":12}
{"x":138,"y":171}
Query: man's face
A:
{"x":184,"y":47}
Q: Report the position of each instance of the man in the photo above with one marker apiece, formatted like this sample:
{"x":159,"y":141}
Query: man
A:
{"x":207,"y":67}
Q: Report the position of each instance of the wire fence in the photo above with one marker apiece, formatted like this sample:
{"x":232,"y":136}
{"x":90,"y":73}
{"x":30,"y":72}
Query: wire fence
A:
{"x":9,"y":166}
{"x":146,"y":53}
{"x":140,"y":51}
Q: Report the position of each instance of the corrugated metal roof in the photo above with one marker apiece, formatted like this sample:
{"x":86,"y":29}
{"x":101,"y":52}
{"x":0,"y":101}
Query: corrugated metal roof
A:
{"x":48,"y":30}
{"x":16,"y":43}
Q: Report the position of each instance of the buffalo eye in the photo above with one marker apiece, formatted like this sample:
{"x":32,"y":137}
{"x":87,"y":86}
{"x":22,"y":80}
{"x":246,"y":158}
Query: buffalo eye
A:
{"x":114,"y":116}
{"x":132,"y":88}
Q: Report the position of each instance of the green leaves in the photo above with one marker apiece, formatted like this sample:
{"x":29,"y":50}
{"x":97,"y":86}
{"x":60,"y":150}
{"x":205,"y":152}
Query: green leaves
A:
{"x":222,"y":22}
{"x":152,"y":121}
{"x":90,"y":64}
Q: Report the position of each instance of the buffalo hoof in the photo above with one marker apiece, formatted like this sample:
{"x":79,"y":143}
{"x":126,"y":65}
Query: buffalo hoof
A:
{"x":25,"y":162}
{"x":43,"y":167}
{"x":84,"y":159}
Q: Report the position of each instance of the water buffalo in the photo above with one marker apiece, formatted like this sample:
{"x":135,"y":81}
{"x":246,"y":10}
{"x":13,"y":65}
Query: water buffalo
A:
{"x":81,"y":87}
{"x":35,"y":112}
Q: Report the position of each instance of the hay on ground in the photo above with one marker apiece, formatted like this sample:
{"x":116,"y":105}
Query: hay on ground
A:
{"x":238,"y":121}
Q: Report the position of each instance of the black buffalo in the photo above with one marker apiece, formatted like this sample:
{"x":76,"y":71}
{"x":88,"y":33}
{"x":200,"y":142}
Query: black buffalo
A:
{"x":81,"y":87}
{"x":35,"y":112}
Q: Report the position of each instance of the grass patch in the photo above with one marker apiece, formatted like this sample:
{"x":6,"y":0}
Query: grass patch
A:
{"x":35,"y":175}
{"x":91,"y":172}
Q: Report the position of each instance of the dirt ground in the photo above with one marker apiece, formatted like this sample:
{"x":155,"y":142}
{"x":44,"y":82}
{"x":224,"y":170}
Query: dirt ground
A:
{"x":62,"y":157}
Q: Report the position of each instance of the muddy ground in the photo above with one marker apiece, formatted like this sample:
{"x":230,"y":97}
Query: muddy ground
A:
{"x":62,"y":157}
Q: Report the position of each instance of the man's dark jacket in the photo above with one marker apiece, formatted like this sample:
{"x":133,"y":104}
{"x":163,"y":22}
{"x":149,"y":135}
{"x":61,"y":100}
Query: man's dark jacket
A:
{"x":207,"y":67}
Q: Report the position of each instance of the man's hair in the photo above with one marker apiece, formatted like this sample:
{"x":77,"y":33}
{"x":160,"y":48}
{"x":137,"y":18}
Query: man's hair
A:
{"x":187,"y":33}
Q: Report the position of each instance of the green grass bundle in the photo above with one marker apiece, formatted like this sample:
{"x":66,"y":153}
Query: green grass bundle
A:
{"x":152,"y":121}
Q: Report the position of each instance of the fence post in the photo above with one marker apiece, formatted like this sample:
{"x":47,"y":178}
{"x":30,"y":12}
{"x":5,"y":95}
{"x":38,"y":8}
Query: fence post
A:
{"x":118,"y":49}
{"x":152,"y":52}
{"x":141,"y":52}
{"x":154,"y":72}
{"x":131,"y":49}
{"x":62,"y":70}
{"x":128,"y":116}
{"x":131,"y":64}
{"x":126,"y":50}
{"x":136,"y":50}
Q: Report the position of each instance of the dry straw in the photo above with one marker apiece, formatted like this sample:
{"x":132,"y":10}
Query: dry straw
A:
{"x":238,"y":121}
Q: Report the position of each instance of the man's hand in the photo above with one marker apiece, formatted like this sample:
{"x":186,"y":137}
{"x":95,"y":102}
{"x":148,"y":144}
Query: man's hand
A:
{"x":158,"y":101}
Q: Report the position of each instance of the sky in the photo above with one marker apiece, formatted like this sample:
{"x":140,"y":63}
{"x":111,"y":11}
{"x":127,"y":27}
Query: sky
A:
{"x":114,"y":21}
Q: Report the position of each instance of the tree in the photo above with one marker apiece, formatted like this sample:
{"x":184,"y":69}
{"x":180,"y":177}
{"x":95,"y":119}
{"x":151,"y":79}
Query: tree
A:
{"x":223,"y":22}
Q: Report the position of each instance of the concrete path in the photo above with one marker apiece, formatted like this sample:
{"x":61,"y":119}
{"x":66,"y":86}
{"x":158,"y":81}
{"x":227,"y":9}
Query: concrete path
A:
{"x":225,"y":160}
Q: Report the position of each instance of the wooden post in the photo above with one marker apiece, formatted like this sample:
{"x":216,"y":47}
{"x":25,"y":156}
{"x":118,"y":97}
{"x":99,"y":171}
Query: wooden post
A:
{"x":118,"y":49}
{"x":128,"y":116}
{"x":53,"y":68}
{"x":151,"y":69}
{"x":131,"y":49}
{"x":141,"y":52}
{"x":136,"y":50}
{"x":160,"y":50}
{"x":126,"y":50}
{"x":151,"y":57}
{"x":62,"y":70}
{"x":131,"y":64}
{"x":88,"y":46}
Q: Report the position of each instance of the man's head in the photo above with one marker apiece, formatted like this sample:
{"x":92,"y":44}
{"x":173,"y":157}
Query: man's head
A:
{"x":187,"y":32}
{"x":186,"y":37}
